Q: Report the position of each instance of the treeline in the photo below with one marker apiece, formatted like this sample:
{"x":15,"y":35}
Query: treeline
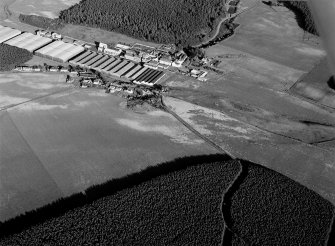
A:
{"x":41,"y":21}
{"x":166,"y":203}
{"x":182,"y":22}
{"x":11,"y":56}
{"x":303,"y":15}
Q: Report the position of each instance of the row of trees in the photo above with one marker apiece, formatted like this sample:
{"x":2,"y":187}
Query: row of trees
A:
{"x":182,"y":22}
{"x":41,"y":21}
{"x":11,"y":56}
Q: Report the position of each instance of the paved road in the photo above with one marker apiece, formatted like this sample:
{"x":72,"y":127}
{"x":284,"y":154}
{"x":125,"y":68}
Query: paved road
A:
{"x":222,"y":21}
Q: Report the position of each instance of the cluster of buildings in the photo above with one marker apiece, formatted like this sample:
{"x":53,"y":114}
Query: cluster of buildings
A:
{"x":40,"y":45}
{"x":137,"y":63}
{"x":47,"y":34}
{"x":118,"y":66}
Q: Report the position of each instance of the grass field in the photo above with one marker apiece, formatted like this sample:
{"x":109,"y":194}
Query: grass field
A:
{"x":47,"y":8}
{"x":183,"y":202}
{"x":317,"y":85}
{"x":78,"y":137}
{"x":275,"y":36}
{"x":306,"y":164}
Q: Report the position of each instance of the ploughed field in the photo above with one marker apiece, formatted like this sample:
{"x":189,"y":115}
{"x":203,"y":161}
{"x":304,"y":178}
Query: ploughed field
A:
{"x":57,"y":140}
{"x":188,"y":201}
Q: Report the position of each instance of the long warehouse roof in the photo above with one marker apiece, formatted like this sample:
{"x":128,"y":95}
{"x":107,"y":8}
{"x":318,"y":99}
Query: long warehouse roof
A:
{"x":125,"y":69}
{"x":118,"y":67}
{"x":46,"y":49}
{"x":82,"y":56}
{"x":133,"y":71}
{"x":106,"y":63}
{"x":18,"y":38}
{"x":69,"y":53}
{"x":102,"y":60}
{"x":7,"y":33}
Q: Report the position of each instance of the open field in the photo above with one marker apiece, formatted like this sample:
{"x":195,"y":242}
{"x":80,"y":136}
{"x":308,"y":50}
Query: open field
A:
{"x":317,"y":85}
{"x":165,"y":204}
{"x":78,"y":137}
{"x":47,"y":8}
{"x":275,"y":36}
{"x":309,"y":165}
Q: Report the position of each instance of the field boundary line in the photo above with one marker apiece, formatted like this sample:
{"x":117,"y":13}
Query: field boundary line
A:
{"x":312,"y":144}
{"x":207,"y":140}
{"x":35,"y":99}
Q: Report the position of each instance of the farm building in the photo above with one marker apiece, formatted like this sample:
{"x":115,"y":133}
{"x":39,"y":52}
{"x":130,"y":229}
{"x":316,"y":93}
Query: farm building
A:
{"x":111,"y":65}
{"x":29,"y":41}
{"x":133,"y":71}
{"x":60,"y":51}
{"x":125,"y":69}
{"x":93,"y":60}
{"x":152,"y":64}
{"x":118,"y":67}
{"x":122,"y":46}
{"x":80,"y":57}
{"x":165,"y":60}
{"x":105,"y":64}
{"x":7,"y":33}
{"x":139,"y":73}
{"x":87,"y":58}
{"x":100,"y":61}
{"x":149,"y":77}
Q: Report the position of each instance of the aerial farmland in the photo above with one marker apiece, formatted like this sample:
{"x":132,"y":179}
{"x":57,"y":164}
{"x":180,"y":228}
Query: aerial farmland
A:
{"x":113,"y":120}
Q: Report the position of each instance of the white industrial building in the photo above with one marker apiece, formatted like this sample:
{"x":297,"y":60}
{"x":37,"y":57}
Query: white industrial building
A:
{"x":60,"y":51}
{"x":29,"y":41}
{"x":7,"y":33}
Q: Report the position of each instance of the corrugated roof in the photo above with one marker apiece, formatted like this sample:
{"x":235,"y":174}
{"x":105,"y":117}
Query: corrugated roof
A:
{"x":58,"y":50}
{"x":133,"y":71}
{"x":106,"y":63}
{"x":8,"y":33}
{"x":32,"y":38}
{"x":49,"y":47}
{"x":118,"y":67}
{"x":71,"y":52}
{"x":125,"y":69}
{"x":18,"y":38}
{"x":41,"y":41}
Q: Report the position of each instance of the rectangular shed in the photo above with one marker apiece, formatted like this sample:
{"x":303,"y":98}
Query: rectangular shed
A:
{"x":125,"y":69}
{"x":106,"y":63}
{"x":7,"y":33}
{"x":113,"y":64}
{"x":133,"y":71}
{"x":118,"y":67}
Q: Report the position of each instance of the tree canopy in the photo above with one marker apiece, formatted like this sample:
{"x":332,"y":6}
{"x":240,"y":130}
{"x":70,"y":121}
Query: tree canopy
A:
{"x":182,"y":22}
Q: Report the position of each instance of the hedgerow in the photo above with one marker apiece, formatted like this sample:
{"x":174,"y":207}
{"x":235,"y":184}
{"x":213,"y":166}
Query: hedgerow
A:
{"x":42,"y":22}
{"x":11,"y":56}
{"x":182,"y":22}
